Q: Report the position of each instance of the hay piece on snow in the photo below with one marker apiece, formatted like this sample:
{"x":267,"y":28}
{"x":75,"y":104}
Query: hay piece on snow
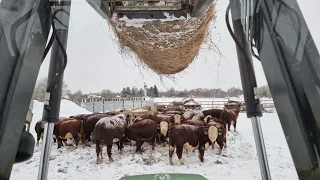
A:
{"x":166,"y":46}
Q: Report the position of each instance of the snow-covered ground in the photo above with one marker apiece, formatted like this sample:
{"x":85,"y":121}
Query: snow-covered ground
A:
{"x":239,"y":160}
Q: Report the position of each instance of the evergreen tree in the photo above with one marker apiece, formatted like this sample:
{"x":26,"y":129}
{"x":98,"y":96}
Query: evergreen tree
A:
{"x":128,"y":91}
{"x":134,"y":92}
{"x":123,"y":92}
{"x":141,"y":92}
{"x":155,"y":91}
{"x":151,"y":92}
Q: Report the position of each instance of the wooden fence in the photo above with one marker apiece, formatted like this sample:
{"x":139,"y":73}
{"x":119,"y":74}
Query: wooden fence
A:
{"x":103,"y":106}
{"x":268,"y":105}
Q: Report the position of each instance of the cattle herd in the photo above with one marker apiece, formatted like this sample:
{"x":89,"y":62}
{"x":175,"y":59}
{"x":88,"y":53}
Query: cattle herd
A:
{"x":179,"y":128}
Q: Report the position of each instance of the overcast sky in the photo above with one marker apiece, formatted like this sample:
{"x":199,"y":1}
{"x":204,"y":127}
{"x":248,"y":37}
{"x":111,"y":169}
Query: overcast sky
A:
{"x":95,"y":64}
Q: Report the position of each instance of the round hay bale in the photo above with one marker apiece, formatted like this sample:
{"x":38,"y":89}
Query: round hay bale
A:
{"x":166,"y":46}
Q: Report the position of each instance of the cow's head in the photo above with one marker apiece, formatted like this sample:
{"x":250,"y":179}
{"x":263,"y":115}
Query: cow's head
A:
{"x":236,"y":112}
{"x":164,"y":126}
{"x":196,"y":117}
{"x":211,"y":132}
{"x":177,"y":119}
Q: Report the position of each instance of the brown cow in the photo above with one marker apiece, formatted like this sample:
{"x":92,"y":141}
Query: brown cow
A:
{"x":66,"y":129}
{"x":194,"y":121}
{"x":165,"y":125}
{"x":235,"y":118}
{"x":110,"y":130}
{"x":162,"y":122}
{"x":39,"y":129}
{"x":141,"y":131}
{"x":213,"y":112}
{"x":89,"y":124}
{"x":221,"y":139}
{"x":229,"y":117}
{"x":236,"y":112}
{"x":187,"y":136}
{"x":209,"y":118}
{"x":158,"y":120}
{"x":82,"y":116}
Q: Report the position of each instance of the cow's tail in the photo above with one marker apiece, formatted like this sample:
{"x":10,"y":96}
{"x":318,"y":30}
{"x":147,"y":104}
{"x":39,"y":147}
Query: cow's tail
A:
{"x":223,"y":117}
{"x":222,"y":114}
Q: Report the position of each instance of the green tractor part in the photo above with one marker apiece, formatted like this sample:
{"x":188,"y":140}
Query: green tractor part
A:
{"x":162,"y":176}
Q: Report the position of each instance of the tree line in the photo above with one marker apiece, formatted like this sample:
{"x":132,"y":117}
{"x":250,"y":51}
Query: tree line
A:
{"x":135,"y":92}
{"x":39,"y":92}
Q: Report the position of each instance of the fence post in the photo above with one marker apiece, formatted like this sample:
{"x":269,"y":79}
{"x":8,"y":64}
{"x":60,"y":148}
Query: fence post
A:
{"x":132,"y":104}
{"x":93,"y":106}
{"x":103,"y":105}
{"x":141,"y":103}
{"x":122,"y":104}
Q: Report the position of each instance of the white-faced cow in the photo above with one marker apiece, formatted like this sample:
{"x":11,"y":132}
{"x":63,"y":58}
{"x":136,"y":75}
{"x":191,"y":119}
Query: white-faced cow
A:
{"x":188,"y":137}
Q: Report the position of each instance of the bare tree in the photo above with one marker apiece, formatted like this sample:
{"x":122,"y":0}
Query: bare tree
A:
{"x":77,"y":96}
{"x":106,"y":93}
{"x":41,"y":86}
{"x":40,"y":89}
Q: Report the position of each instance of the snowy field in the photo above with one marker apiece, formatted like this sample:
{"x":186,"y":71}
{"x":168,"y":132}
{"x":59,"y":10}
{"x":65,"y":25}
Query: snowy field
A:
{"x":239,"y":160}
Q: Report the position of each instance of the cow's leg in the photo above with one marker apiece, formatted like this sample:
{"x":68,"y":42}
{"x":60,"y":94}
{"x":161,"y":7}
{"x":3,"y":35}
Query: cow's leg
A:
{"x":220,"y":143}
{"x":179,"y":154}
{"x":84,"y":141}
{"x":139,"y":143}
{"x":213,"y":144}
{"x":64,"y":142}
{"x":98,"y":151}
{"x":118,"y":145}
{"x":201,"y":153}
{"x":225,"y":141}
{"x":229,"y":125}
{"x":165,"y":141}
{"x":235,"y":126}
{"x":101,"y":147}
{"x":54,"y":140}
{"x":59,"y":142}
{"x":89,"y":140}
{"x":109,"y":147}
{"x":171,"y":150}
{"x":38,"y":138}
{"x":159,"y":138}
{"x":76,"y":139}
{"x":154,"y":138}
{"x":121,"y":144}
